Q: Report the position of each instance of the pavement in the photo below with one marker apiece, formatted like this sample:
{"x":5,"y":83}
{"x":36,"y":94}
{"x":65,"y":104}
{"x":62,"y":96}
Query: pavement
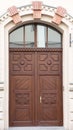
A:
{"x":36,"y":128}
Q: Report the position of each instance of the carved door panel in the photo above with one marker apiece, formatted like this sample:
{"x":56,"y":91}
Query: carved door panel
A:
{"x":35,"y":87}
{"x":21,"y":88}
{"x":50,"y":88}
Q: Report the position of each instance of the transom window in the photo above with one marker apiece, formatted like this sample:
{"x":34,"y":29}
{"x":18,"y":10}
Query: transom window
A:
{"x":35,"y":35}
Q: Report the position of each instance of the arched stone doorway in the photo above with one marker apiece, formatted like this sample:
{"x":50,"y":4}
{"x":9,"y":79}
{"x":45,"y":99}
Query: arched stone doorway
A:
{"x":6,"y":27}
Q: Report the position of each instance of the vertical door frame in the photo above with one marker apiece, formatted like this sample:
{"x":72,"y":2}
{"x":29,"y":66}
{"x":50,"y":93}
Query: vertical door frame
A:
{"x":7,"y":26}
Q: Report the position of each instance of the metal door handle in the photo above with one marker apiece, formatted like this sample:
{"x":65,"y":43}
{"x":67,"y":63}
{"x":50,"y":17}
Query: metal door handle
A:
{"x":40,"y":99}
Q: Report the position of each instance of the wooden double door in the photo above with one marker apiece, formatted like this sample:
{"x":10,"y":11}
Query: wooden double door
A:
{"x":35,"y":87}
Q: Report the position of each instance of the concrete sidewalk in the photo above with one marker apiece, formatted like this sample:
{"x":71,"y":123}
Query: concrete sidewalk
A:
{"x":36,"y":128}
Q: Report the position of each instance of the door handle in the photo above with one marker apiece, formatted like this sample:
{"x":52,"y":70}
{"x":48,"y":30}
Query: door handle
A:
{"x":40,"y":99}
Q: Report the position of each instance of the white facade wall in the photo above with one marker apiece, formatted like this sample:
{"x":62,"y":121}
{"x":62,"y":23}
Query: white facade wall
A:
{"x":6,"y":24}
{"x":71,"y":88}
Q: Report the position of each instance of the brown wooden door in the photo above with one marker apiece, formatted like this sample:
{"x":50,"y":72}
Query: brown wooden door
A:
{"x":21,"y":88}
{"x":35,"y":87}
{"x":50,"y":87}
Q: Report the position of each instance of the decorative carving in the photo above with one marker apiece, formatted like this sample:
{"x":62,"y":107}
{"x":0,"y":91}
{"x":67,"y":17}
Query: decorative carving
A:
{"x":35,"y":49}
{"x":55,"y":57}
{"x":15,"y":14}
{"x":22,"y":98}
{"x":43,"y":67}
{"x":49,"y":63}
{"x":24,"y":83}
{"x":16,"y":67}
{"x":48,"y":83}
{"x":57,"y":19}
{"x":22,"y":62}
{"x":16,"y":57}
{"x":22,"y":114}
{"x":28,"y":57}
{"x":35,"y":73}
{"x":59,"y":14}
{"x":28,"y":8}
{"x":48,"y":114}
{"x":61,"y":11}
{"x":43,"y":57}
{"x":55,"y":67}
{"x":37,"y":7}
{"x":13,"y":10}
{"x":49,"y":98}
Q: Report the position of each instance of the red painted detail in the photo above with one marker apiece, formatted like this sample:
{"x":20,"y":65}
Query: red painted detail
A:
{"x":37,"y":7}
{"x":13,"y":10}
{"x":57,"y":19}
{"x":17,"y":19}
{"x":61,"y":11}
{"x":15,"y":14}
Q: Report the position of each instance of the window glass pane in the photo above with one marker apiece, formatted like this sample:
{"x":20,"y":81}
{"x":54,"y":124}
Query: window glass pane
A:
{"x":29,"y":36}
{"x":54,"y":39}
{"x":16,"y":38}
{"x":41,"y":36}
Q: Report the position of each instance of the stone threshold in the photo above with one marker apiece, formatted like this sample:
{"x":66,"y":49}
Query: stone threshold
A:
{"x":36,"y":128}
